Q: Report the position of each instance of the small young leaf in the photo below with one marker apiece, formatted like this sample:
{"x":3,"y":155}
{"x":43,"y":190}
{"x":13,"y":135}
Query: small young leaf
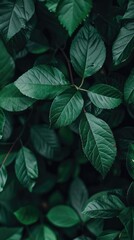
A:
{"x":2,"y":123}
{"x":109,"y":235}
{"x":27,"y":215}
{"x":3,"y":177}
{"x":66,"y":108}
{"x":123,"y":44}
{"x":11,"y":99}
{"x":42,"y":82}
{"x":26,"y":168}
{"x":45,"y":141}
{"x":129,"y":88}
{"x":72,"y":12}
{"x":87,"y":51}
{"x":105,"y":96}
{"x":63,"y":216}
{"x":105,"y":206}
{"x":130,"y":160}
{"x":14,"y":15}
{"x":98,"y":143}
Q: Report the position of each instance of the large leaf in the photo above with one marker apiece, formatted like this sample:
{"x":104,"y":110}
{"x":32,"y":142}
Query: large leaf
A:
{"x":72,"y":12}
{"x":11,"y":99}
{"x":87,"y":51}
{"x":8,"y":233}
{"x":105,"y":96}
{"x":27,"y":215}
{"x":42,"y":82}
{"x":127,"y":219}
{"x":66,"y":108}
{"x":123,"y":45}
{"x":14,"y":15}
{"x":130,"y":160}
{"x":45,"y":141}
{"x":3,"y":177}
{"x":129,"y":14}
{"x":63,"y":216}
{"x":7,"y":65}
{"x":104,"y":206}
{"x":26,"y":168}
{"x":129,"y":88}
{"x":98,"y":142}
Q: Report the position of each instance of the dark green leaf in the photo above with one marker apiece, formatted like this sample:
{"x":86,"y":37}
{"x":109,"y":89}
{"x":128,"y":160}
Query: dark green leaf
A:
{"x":3,"y":177}
{"x":45,"y":141}
{"x":78,"y":195}
{"x":43,"y":232}
{"x":129,"y":88}
{"x":109,"y":235}
{"x":8,"y":233}
{"x":63,"y":216}
{"x":105,"y":96}
{"x":2,"y":123}
{"x":7,"y":65}
{"x":26,"y":168}
{"x":95,"y":226}
{"x":66,"y":108}
{"x":127,"y":219}
{"x":129,"y":14}
{"x":42,"y":82}
{"x":130,"y":160}
{"x":52,"y":5}
{"x":72,"y":12}
{"x":130,"y":194}
{"x":98,"y":143}
{"x":11,"y":99}
{"x":105,"y":206}
{"x":14,"y":15}
{"x":87,"y":52}
{"x":123,"y":45}
{"x":27,"y":215}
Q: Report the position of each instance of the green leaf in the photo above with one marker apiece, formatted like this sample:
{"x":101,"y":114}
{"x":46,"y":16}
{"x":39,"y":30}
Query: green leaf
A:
{"x":129,"y":88}
{"x":78,"y":195}
{"x":129,"y":14}
{"x":14,"y":15}
{"x":45,"y":140}
{"x":105,"y":96}
{"x":3,"y":177}
{"x":12,"y":100}
{"x":98,"y":143}
{"x":104,"y":206}
{"x":130,"y":194}
{"x":7,"y":65}
{"x":123,"y":44}
{"x":127,"y":219}
{"x":63,"y":216}
{"x":43,"y":232}
{"x":8,"y":233}
{"x":72,"y":12}
{"x":27,"y":215}
{"x":52,"y":5}
{"x":2,"y":123}
{"x":95,"y":226}
{"x":26,"y":168}
{"x":109,"y":235}
{"x":42,"y":82}
{"x":87,"y":51}
{"x":130,"y":160}
{"x":66,"y":108}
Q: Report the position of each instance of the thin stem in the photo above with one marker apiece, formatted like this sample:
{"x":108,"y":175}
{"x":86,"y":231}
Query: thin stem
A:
{"x":82,"y":89}
{"x":69,"y":65}
{"x":82,"y":81}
